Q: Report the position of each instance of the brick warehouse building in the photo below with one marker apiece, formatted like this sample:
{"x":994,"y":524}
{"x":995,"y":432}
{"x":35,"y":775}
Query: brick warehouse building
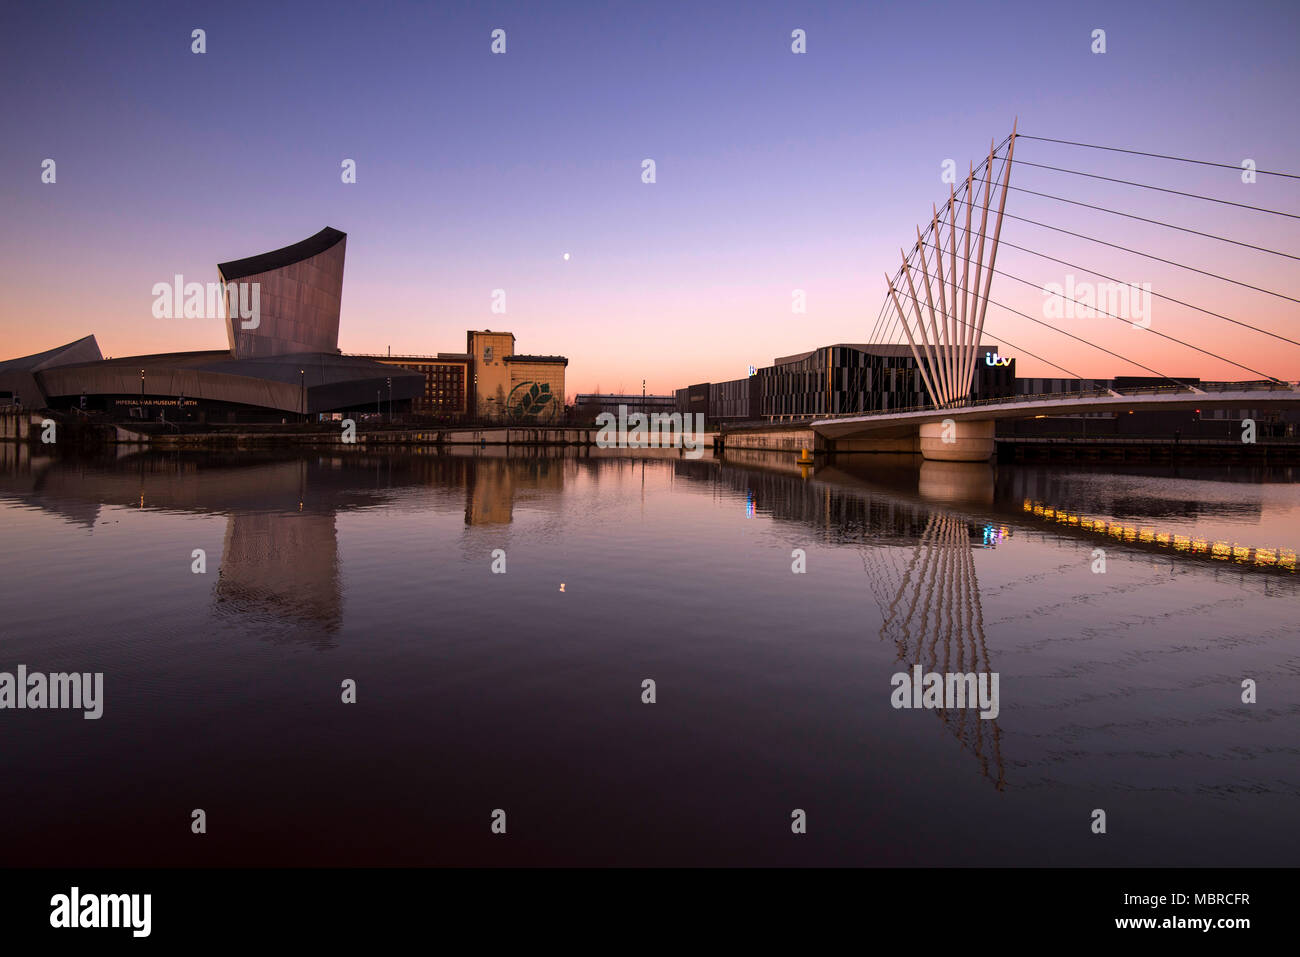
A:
{"x":487,"y":381}
{"x":445,"y":378}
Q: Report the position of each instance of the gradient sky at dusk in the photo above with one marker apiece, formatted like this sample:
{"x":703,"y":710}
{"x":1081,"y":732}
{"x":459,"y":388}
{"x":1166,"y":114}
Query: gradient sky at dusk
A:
{"x":775,"y":171}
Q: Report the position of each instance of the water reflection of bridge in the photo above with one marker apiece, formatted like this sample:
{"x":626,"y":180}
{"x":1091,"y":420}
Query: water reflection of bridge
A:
{"x":930,"y":605}
{"x":919,"y":528}
{"x":918,"y":559}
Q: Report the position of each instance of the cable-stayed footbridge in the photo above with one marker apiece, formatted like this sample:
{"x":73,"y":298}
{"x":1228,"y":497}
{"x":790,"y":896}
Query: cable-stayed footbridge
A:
{"x":938,"y":303}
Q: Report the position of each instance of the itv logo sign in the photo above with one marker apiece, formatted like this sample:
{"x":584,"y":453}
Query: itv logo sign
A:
{"x":993,"y":359}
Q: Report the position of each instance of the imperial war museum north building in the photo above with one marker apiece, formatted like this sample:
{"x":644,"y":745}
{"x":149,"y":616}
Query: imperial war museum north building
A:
{"x":282,"y":324}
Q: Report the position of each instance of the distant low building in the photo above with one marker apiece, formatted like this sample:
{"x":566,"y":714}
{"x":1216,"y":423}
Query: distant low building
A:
{"x":594,"y":403}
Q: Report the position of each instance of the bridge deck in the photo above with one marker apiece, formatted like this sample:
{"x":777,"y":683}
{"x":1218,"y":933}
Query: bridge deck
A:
{"x":905,"y":422}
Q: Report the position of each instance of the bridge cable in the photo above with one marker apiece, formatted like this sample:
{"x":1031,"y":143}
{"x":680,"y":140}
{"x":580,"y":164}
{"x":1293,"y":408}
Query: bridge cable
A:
{"x":1164,"y":336}
{"x":1155,"y":222}
{"x":1073,"y":375}
{"x":1162,"y":189}
{"x":1122,"y":319}
{"x":1137,"y":252}
{"x":939,"y":252}
{"x":1180,"y":302}
{"x":1181,"y":159}
{"x":1189,"y":345}
{"x":891,"y":326}
{"x":1094,"y":345}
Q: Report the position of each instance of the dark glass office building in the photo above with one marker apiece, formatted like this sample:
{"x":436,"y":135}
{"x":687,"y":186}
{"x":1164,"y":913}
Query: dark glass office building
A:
{"x":837,"y":380}
{"x":843,"y":379}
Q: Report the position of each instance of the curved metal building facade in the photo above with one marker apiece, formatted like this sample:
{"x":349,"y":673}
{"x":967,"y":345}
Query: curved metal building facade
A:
{"x":282,"y":359}
{"x":299,"y":292}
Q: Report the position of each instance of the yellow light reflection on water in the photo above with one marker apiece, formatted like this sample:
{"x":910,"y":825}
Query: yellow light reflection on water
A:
{"x":1284,"y":558}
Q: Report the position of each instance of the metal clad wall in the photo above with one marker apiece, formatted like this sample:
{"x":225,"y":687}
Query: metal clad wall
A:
{"x":299,"y":308}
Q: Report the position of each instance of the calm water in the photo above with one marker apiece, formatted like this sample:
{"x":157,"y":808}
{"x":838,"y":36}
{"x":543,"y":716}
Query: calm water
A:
{"x":478,"y":691}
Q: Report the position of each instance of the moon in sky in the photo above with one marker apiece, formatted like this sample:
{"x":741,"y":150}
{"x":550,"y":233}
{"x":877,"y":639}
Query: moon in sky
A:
{"x":566,"y":257}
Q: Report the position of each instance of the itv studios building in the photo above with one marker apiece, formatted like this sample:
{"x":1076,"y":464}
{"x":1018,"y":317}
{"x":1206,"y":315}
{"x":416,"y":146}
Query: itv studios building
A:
{"x":833,"y":380}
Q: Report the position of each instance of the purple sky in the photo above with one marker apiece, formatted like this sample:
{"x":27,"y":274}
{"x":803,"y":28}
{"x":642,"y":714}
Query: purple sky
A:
{"x":775,"y":171}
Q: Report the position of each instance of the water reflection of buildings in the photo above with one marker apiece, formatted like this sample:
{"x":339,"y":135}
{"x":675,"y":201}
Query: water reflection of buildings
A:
{"x":285,"y":568}
{"x":493,"y":484}
{"x":279,"y":568}
{"x":1079,"y":489}
{"x":279,"y":572}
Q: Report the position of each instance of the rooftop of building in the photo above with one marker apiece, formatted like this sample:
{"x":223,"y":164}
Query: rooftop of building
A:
{"x":317,"y":367}
{"x":85,"y":349}
{"x":279,"y":258}
{"x":414,"y":357}
{"x":625,"y":396}
{"x":522,"y":358}
{"x":888,"y":349}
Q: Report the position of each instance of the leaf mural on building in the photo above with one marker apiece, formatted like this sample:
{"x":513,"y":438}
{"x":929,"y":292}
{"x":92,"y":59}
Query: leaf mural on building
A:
{"x":531,"y":401}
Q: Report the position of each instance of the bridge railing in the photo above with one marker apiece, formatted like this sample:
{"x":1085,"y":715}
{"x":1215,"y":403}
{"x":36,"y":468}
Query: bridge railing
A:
{"x":1259,"y":386}
{"x":1262,"y":385}
{"x":969,"y":403}
{"x":1154,"y":390}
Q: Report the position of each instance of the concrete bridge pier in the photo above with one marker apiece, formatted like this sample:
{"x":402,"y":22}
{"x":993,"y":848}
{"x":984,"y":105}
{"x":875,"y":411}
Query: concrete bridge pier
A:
{"x":957,"y":483}
{"x":958,"y":440}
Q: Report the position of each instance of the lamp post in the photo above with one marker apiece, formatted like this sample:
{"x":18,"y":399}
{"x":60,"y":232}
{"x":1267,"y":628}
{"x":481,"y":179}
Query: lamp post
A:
{"x":390,"y":400}
{"x":302,"y":393}
{"x":142,"y":394}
